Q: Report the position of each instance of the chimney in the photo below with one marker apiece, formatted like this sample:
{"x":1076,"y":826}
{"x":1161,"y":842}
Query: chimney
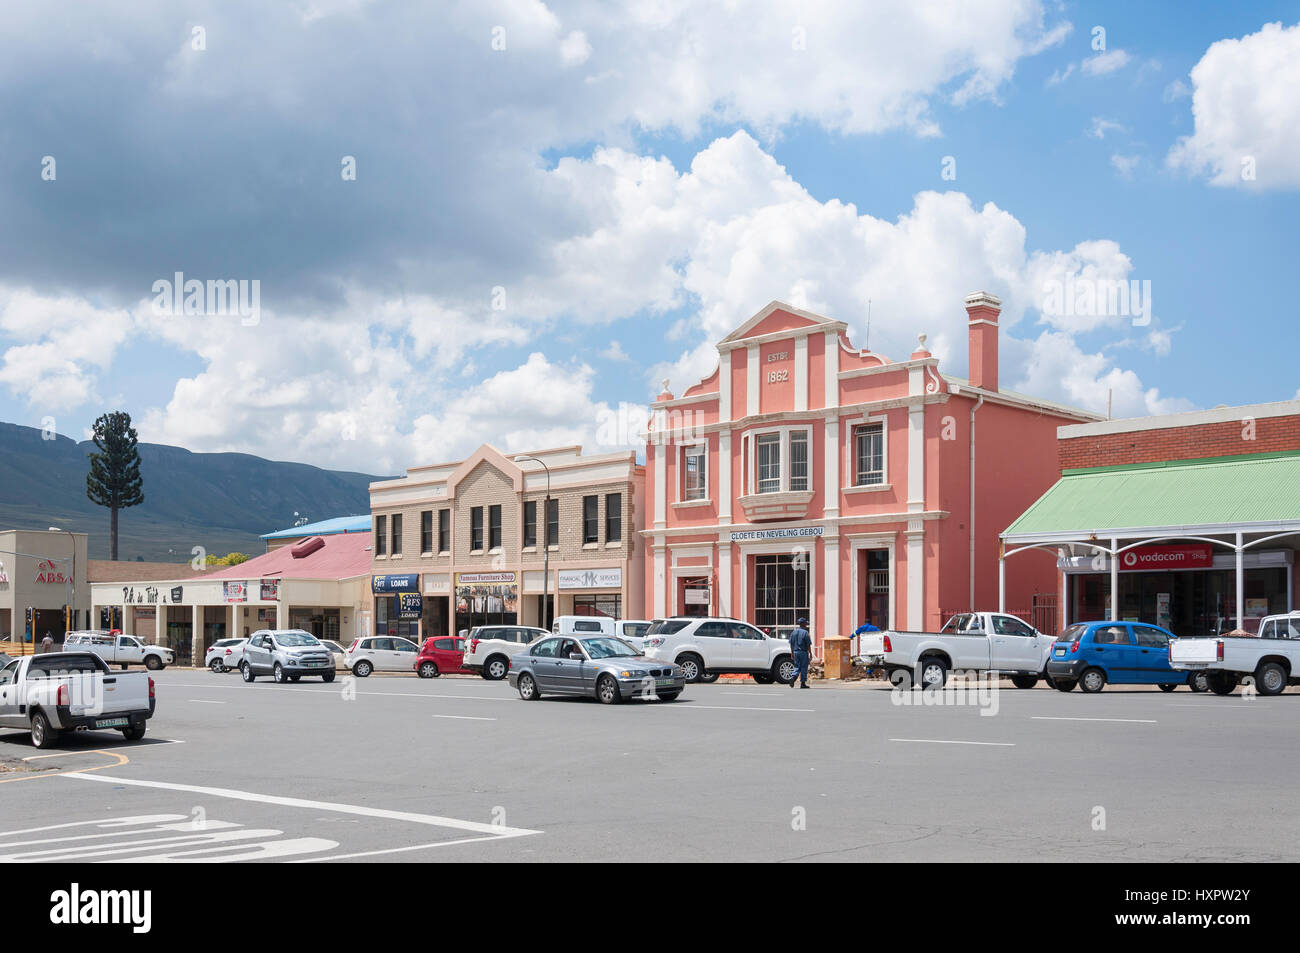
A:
{"x":983,"y":309}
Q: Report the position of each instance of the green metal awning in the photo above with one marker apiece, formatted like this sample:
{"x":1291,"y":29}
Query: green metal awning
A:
{"x":1260,"y":491}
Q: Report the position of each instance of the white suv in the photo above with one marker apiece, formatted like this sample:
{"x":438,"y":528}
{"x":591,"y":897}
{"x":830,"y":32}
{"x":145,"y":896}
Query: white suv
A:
{"x":708,"y":647}
{"x":488,"y":648}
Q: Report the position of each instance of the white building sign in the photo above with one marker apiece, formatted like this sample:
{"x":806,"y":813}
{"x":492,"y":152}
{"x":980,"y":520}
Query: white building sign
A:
{"x":591,"y":578}
{"x":791,"y":532}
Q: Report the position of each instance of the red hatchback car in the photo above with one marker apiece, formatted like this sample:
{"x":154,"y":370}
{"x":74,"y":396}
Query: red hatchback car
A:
{"x":442,"y":655}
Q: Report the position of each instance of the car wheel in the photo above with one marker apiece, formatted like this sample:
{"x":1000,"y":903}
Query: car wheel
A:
{"x":43,"y":733}
{"x":327,"y":677}
{"x":785,"y":671}
{"x":1270,"y":679}
{"x":217,"y":666}
{"x":1092,"y":680}
{"x":153,"y":663}
{"x":428,"y":670}
{"x":1167,"y":687}
{"x":607,"y":690}
{"x":277,"y":674}
{"x":294,"y":678}
{"x":124,"y":666}
{"x":1064,"y":684}
{"x":762,"y":679}
{"x":1222,"y":683}
{"x":1024,"y":681}
{"x":932,"y":673}
{"x":495,"y":668}
{"x":134,"y":733}
{"x":692,"y":667}
{"x":362,"y":668}
{"x":669,"y":696}
{"x":246,"y":670}
{"x":528,"y":688}
{"x":1199,"y":681}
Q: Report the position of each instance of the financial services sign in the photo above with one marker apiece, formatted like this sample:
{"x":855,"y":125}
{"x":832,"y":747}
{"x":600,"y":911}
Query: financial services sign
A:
{"x":405,"y":582}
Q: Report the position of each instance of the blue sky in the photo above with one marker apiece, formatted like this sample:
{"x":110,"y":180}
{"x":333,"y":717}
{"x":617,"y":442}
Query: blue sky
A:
{"x":557,"y":205}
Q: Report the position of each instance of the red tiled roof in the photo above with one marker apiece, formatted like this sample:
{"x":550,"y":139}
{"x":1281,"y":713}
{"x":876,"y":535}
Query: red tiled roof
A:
{"x":341,"y":556}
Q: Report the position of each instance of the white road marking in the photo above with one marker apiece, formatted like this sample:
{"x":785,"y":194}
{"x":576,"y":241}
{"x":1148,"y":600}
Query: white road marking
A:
{"x":692,"y":706}
{"x":204,"y":701}
{"x":393,"y":850}
{"x":754,"y":694}
{"x":430,"y":819}
{"x":332,"y":692}
{"x":463,"y":717}
{"x":937,"y":741}
{"x":1135,"y":721}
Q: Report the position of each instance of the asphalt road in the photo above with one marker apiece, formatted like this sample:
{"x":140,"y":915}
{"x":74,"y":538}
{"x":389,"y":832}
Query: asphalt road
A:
{"x":462,"y":769}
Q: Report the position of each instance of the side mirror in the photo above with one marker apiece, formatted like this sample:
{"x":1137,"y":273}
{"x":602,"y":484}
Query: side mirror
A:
{"x":576,"y":656}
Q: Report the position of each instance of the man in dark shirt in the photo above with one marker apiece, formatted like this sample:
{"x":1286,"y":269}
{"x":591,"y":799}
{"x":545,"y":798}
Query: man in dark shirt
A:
{"x":801,"y":646}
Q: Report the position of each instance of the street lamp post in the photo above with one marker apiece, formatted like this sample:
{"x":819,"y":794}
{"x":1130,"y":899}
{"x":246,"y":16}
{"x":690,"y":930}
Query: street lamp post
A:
{"x":72,"y":577}
{"x":546,"y":548}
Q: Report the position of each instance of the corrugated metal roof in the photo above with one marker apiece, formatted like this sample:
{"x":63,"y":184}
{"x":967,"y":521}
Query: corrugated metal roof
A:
{"x":340,"y":524}
{"x":1224,"y":491}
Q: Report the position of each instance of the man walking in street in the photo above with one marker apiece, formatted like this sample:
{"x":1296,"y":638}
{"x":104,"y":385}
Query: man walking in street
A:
{"x":801,"y":646}
{"x":47,"y":643}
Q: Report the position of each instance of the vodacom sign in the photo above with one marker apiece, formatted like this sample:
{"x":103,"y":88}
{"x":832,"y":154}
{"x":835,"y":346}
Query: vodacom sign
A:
{"x":1149,"y":558}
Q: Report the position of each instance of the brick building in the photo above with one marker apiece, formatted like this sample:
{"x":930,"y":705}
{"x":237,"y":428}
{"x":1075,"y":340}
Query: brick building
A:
{"x":1191,"y":518}
{"x":806,"y":476}
{"x":475,"y":542}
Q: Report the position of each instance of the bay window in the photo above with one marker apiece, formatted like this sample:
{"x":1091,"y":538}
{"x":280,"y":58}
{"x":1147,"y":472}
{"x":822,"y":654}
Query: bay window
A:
{"x":780,"y":460}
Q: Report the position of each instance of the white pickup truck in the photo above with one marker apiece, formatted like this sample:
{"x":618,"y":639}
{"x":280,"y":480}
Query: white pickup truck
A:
{"x":979,"y":641}
{"x":120,"y":649}
{"x":73,"y":691}
{"x":1271,"y":658}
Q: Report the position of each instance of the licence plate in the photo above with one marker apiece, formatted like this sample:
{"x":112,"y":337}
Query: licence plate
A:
{"x":112,"y":723}
{"x":664,"y":683}
{"x":315,"y":663}
{"x":1060,"y":653}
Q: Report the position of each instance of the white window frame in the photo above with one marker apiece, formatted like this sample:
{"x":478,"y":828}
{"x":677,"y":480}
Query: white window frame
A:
{"x":851,"y":453}
{"x":751,"y":458}
{"x":683,"y":451}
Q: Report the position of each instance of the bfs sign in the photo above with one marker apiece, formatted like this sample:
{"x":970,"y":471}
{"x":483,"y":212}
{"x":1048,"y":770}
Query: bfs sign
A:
{"x":47,"y":571}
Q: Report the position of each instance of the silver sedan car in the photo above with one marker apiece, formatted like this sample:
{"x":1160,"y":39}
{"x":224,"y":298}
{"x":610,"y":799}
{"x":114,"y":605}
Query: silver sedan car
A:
{"x":603,"y":666}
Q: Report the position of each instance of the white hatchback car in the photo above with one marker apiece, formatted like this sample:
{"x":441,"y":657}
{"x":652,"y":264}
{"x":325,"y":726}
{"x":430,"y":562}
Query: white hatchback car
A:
{"x":382,"y":653}
{"x":224,"y":655}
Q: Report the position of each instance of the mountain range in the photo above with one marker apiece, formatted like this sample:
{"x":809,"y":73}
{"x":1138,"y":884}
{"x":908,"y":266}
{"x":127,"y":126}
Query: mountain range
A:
{"x":220,"y":501}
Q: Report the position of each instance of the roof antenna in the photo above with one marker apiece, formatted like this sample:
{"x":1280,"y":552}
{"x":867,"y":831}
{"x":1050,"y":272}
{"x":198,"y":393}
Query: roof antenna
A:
{"x":867,"y":342}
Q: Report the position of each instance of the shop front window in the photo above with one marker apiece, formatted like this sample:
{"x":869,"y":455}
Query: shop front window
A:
{"x":387,"y":622}
{"x":606,"y":605}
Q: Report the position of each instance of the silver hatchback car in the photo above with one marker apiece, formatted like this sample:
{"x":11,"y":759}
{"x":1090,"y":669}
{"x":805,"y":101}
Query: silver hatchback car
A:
{"x":603,"y":666}
{"x":286,"y":655}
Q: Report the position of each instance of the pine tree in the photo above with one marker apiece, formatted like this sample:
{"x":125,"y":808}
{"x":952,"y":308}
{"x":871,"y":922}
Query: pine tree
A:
{"x":114,"y":477}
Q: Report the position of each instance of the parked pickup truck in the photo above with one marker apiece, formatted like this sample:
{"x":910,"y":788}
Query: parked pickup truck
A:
{"x":120,"y":649}
{"x":1272,"y":658}
{"x":980,"y":641}
{"x":73,"y":691}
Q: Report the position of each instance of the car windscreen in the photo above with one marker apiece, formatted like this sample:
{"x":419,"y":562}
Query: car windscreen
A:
{"x":296,"y":638}
{"x":52,"y":666}
{"x":635,"y":629}
{"x":668,"y":626}
{"x":608,"y":648}
{"x":1072,"y":632}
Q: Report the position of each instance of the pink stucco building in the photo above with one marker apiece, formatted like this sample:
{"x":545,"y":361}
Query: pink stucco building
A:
{"x":807,"y":476}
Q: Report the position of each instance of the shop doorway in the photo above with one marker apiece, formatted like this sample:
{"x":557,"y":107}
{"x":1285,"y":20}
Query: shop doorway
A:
{"x":873,"y":588}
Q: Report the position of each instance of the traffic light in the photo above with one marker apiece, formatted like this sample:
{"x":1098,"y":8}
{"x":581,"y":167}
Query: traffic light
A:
{"x":31,"y":619}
